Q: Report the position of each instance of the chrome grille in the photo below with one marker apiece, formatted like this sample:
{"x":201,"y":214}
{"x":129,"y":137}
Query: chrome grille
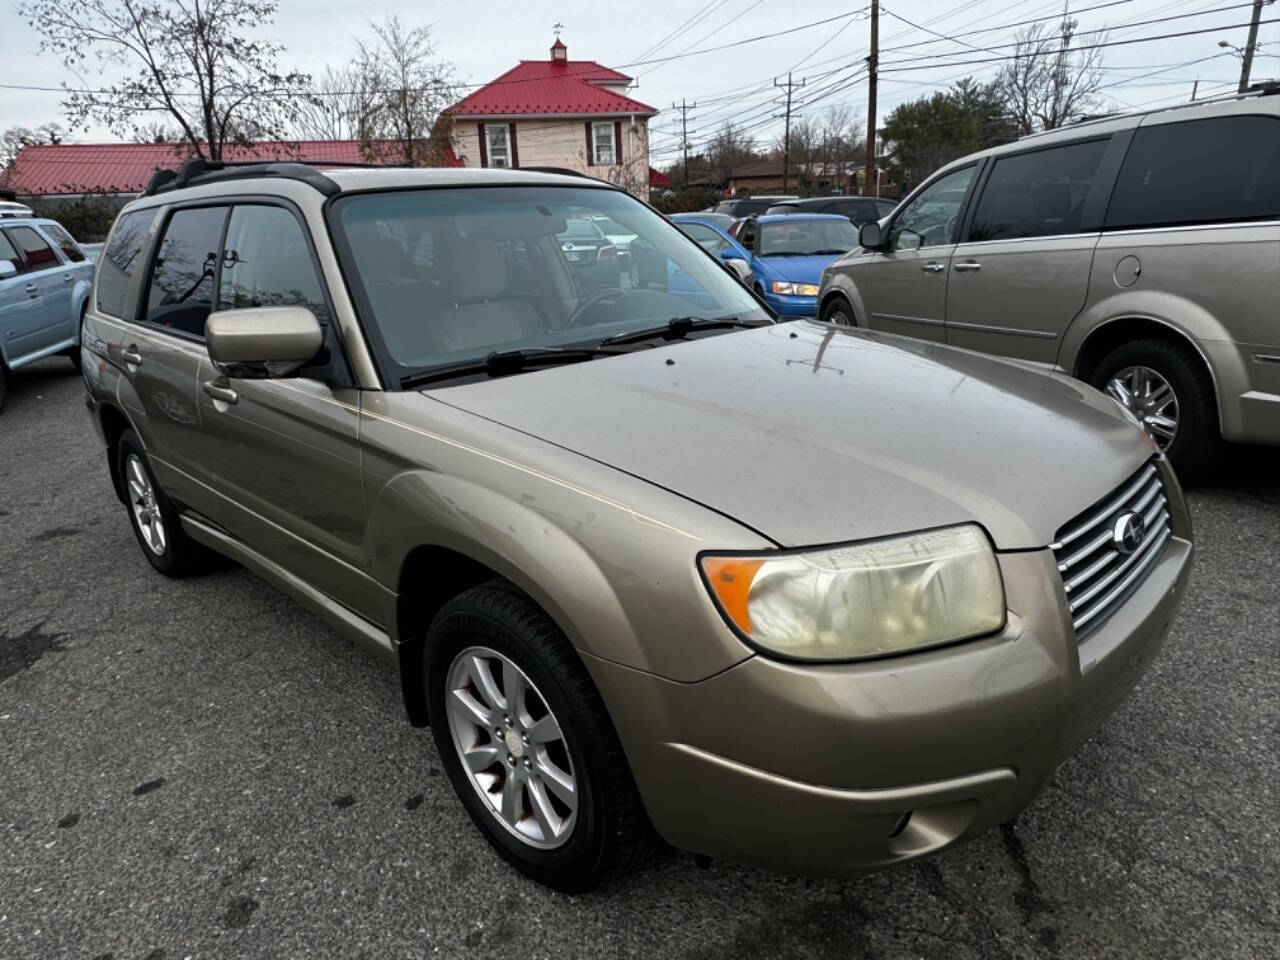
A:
{"x":1099,"y":575}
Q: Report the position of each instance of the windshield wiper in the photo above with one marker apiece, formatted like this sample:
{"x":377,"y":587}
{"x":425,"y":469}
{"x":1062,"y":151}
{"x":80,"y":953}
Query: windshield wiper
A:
{"x":502,"y":362}
{"x":676,"y":328}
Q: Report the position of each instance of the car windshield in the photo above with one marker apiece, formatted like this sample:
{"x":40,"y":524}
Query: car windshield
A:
{"x":611,"y":227}
{"x":495,"y":275}
{"x":794,"y":237}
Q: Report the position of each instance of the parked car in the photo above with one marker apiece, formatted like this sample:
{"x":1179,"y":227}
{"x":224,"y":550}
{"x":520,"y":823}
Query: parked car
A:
{"x":11,"y":209}
{"x":738,"y":207}
{"x":92,"y":251}
{"x":786,"y":253}
{"x":796,"y":595}
{"x":721,"y":220}
{"x":44,"y":287}
{"x":621,"y":239}
{"x":1137,"y":253}
{"x":860,"y":210}
{"x":593,"y":259}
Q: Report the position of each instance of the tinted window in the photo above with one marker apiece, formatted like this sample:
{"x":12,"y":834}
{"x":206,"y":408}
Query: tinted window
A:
{"x":266,"y":263}
{"x":120,"y":261}
{"x":794,"y":237}
{"x":181,"y":291}
{"x":8,"y":252}
{"x":930,"y":218}
{"x":39,"y":255}
{"x":70,"y":249}
{"x":1199,"y":171}
{"x":1038,"y":194}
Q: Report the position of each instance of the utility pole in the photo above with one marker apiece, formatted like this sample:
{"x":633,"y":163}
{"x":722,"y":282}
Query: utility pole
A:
{"x":873,"y":67}
{"x":1246,"y":61}
{"x":786,"y":134}
{"x":684,"y":109}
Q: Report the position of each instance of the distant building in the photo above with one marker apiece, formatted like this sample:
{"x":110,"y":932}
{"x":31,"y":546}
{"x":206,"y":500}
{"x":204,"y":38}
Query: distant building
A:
{"x":557,"y":112}
{"x":807,"y":179}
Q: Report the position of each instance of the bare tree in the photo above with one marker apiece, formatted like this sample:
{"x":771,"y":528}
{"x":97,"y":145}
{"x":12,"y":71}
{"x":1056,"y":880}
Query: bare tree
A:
{"x":15,"y":138}
{"x":1046,"y":83}
{"x":344,"y":104}
{"x":729,"y":148}
{"x":195,"y":62}
{"x":411,"y":86}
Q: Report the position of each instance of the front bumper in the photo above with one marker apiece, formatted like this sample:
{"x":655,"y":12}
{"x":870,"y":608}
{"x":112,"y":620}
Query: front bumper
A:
{"x":842,"y":768}
{"x":787,"y":306}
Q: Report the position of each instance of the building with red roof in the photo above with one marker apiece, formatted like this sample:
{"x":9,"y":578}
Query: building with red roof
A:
{"x":557,"y":112}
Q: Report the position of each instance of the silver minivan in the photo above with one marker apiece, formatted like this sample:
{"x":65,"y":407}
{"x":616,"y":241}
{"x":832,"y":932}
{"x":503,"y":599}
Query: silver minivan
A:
{"x":1138,"y":253}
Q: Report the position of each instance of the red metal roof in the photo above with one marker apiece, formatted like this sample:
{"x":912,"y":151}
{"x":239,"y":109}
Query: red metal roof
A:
{"x":658,"y":179}
{"x":551,"y":87}
{"x":45,"y":169}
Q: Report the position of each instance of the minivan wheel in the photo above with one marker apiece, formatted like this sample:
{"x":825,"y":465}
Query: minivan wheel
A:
{"x":152,"y":515}
{"x":838,"y":311}
{"x":1166,"y":388}
{"x":527,"y":743}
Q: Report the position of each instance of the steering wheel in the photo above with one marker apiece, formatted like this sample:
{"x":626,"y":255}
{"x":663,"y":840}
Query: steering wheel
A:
{"x":600,"y":296}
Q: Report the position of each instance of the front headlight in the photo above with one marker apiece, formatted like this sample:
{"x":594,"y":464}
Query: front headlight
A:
{"x":868,"y":599}
{"x":795,"y":289}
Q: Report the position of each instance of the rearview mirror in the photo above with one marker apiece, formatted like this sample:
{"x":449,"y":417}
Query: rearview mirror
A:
{"x":8,"y":269}
{"x":739,"y":267}
{"x":261,"y":342}
{"x":869,"y":235}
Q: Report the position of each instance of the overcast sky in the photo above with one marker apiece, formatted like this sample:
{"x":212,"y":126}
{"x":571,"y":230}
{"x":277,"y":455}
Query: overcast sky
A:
{"x":483,"y":40}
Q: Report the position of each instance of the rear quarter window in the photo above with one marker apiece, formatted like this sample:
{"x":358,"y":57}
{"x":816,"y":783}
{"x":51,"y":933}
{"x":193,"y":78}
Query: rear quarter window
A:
{"x":120,"y":261}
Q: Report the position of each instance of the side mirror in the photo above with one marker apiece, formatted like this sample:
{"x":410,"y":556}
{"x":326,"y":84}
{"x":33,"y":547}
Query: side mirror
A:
{"x":8,"y":269}
{"x":262,"y":342}
{"x":741,"y":268}
{"x":869,"y":236}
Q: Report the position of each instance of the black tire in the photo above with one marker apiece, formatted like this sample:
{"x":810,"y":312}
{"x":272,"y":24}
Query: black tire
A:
{"x":4,"y":384}
{"x":1197,"y":445}
{"x":839,"y":311}
{"x":180,"y":556}
{"x":611,"y":833}
{"x":73,"y":354}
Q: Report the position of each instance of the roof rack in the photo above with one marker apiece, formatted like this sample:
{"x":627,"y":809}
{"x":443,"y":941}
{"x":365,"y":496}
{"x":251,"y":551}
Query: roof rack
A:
{"x":565,"y":172}
{"x":197,"y":170}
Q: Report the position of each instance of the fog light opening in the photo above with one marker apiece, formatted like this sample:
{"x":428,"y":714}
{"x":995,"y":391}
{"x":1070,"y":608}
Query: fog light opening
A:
{"x":901,"y":824}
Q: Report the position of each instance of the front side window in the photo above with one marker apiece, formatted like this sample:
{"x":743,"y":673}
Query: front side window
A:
{"x":602,"y":140}
{"x":1199,"y":171}
{"x":10,"y":253}
{"x":180,"y":295}
{"x":1039,"y":194}
{"x":930,"y":218}
{"x":66,"y":243}
{"x":120,"y":260}
{"x":499,"y":146}
{"x":38,"y":254}
{"x":516,"y":268}
{"x":266,"y":262}
{"x":794,"y":237}
{"x":705,"y":237}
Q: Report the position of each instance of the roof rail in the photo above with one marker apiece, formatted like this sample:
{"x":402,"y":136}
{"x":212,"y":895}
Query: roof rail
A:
{"x":566,"y":172}
{"x":197,"y":170}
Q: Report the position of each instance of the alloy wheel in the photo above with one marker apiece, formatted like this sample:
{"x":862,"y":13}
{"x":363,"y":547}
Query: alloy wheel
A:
{"x":512,"y":747}
{"x":142,"y":501}
{"x":1150,"y":398}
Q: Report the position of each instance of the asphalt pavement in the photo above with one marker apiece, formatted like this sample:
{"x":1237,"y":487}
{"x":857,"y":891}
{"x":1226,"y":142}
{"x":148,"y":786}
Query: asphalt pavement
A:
{"x":203,"y":769}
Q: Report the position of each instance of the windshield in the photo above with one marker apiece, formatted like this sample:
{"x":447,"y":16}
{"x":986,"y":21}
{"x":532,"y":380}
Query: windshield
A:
{"x":442,"y":276}
{"x":803,"y":238}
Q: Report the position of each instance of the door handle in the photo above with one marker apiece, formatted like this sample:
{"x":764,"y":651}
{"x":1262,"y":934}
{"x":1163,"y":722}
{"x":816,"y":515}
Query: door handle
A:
{"x":130,"y":355}
{"x":218,"y":392}
{"x":67,"y":278}
{"x":32,"y":289}
{"x":932,"y":267}
{"x":969,"y":266}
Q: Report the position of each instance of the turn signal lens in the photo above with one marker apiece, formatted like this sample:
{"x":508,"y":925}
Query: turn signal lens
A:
{"x":795,"y":289}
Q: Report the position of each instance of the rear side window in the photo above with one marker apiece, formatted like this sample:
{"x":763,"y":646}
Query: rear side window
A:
{"x":38,"y":254}
{"x":66,"y":243}
{"x":8,"y":252}
{"x":180,"y":295}
{"x":120,"y":261}
{"x":1199,"y":171}
{"x":266,"y":262}
{"x":1040,"y":194}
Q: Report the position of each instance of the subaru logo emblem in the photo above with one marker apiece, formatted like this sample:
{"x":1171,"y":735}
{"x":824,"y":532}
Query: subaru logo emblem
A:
{"x":1128,"y":532}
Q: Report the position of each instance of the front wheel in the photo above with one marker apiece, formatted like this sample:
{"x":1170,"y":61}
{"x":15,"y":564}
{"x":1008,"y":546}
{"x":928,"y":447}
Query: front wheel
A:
{"x":839,"y":312}
{"x":527,"y":743}
{"x":1165,"y":386}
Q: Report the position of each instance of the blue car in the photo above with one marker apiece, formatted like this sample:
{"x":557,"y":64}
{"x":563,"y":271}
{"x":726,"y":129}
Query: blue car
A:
{"x":44,"y":289}
{"x":786,"y":252}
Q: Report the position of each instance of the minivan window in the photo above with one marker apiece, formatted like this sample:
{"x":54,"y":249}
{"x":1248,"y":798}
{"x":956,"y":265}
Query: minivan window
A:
{"x":1199,"y":171}
{"x":266,"y":262}
{"x":180,"y":295}
{"x":930,"y":218}
{"x":1038,"y":194}
{"x":38,"y":254}
{"x":120,"y":260}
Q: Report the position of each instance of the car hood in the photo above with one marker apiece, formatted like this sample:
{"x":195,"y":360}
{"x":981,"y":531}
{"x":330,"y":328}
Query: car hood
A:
{"x":799,"y":269}
{"x":813,"y":434}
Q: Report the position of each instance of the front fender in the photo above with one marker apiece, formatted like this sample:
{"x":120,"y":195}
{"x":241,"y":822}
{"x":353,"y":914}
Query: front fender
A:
{"x":840,"y":283}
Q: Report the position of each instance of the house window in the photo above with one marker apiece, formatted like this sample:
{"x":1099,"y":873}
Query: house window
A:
{"x":602,"y":141}
{"x":496,"y":139}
